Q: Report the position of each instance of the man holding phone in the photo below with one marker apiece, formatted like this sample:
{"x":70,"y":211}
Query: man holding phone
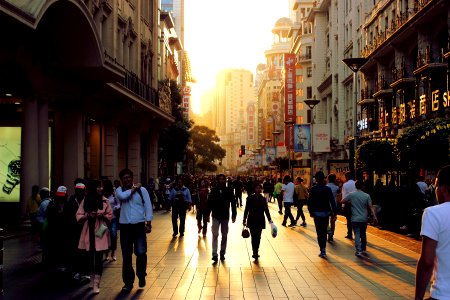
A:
{"x":135,"y":221}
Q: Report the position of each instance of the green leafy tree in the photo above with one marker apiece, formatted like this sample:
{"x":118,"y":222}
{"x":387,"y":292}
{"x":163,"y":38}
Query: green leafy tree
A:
{"x":425,"y":145}
{"x":204,"y":149}
{"x":173,"y":140}
{"x":282,"y":164}
{"x":378,"y":156}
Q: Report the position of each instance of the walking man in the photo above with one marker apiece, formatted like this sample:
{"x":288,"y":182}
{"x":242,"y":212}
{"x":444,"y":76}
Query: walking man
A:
{"x":321,"y":206}
{"x":180,"y":200}
{"x":347,"y":188}
{"x":288,"y":199}
{"x":238,"y":186}
{"x":436,"y":243}
{"x":220,"y":199}
{"x":334,"y":189}
{"x":136,"y":209}
{"x":361,"y":204}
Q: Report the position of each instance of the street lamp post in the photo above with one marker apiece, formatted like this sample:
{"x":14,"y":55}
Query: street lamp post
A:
{"x":311,"y":104}
{"x":289,"y":124}
{"x":355,"y":65}
{"x":275,"y":134}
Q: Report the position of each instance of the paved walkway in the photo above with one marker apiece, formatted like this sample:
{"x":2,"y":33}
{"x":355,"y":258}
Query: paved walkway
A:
{"x":181,"y":268}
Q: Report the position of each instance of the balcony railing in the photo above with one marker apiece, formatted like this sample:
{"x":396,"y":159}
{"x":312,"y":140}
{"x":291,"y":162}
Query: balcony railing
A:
{"x":132,"y":82}
{"x":399,"y":73}
{"x":366,"y":94}
{"x":396,"y":23}
{"x":304,"y":57}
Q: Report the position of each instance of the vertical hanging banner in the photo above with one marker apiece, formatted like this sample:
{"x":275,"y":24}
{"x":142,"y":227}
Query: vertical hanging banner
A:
{"x":321,"y":138}
{"x":186,"y":92}
{"x":251,"y":113}
{"x":289,"y":97}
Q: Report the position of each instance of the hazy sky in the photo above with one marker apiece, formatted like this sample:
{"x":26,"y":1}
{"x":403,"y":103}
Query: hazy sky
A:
{"x":228,"y":34}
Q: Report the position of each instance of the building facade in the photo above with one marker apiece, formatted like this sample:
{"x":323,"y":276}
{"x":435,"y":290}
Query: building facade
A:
{"x":234,"y":91}
{"x":78,"y":80}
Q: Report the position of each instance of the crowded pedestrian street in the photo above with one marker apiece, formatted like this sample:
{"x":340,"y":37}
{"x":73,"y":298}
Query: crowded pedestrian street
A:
{"x":181,"y":267}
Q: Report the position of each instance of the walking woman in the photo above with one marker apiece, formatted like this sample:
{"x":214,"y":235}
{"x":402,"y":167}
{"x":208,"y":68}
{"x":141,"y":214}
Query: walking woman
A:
{"x":108,"y":192}
{"x":255,"y":207}
{"x":202,"y":206}
{"x":96,"y":213}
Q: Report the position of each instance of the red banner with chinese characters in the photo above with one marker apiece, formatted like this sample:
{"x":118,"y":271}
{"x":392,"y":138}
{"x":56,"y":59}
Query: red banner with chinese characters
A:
{"x":289,"y":98}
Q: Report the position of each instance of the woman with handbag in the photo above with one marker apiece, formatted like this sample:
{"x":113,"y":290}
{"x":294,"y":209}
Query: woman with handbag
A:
{"x":255,"y":207}
{"x":96,"y":213}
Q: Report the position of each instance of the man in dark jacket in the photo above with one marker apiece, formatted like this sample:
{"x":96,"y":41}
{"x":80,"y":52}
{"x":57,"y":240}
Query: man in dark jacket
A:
{"x":219,"y":201}
{"x":321,"y":206}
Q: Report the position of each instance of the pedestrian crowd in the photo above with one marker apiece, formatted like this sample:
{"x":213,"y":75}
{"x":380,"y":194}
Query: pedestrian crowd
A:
{"x":79,"y":233}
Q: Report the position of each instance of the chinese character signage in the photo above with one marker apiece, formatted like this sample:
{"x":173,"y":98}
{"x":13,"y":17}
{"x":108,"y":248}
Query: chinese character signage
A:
{"x":270,"y":155}
{"x":251,"y":123}
{"x":289,"y":96}
{"x":302,"y":138}
{"x":186,"y":91}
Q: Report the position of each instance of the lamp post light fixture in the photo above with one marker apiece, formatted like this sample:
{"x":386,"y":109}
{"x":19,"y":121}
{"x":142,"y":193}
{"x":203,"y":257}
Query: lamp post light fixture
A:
{"x":355,"y":65}
{"x":311,"y":104}
{"x":289,"y":123}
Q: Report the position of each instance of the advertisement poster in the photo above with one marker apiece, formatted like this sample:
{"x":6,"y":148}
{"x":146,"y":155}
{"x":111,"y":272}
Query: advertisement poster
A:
{"x":270,"y":155}
{"x":302,"y":138}
{"x":339,"y":167}
{"x":10,"y":164}
{"x":304,"y":173}
{"x":321,"y":138}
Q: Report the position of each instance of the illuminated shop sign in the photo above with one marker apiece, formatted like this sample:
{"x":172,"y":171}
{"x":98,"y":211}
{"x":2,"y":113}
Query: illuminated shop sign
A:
{"x":414,"y":108}
{"x":10,"y":164}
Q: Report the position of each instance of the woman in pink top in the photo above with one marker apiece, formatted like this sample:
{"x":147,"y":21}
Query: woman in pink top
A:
{"x":95,"y":212}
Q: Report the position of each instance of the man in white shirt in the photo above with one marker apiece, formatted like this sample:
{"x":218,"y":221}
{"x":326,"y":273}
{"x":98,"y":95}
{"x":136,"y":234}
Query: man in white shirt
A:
{"x":347,"y":188}
{"x":434,"y":259}
{"x":288,"y":199}
{"x":135,"y":210}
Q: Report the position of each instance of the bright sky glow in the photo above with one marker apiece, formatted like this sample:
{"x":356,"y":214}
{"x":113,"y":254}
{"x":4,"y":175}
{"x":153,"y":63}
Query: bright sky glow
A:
{"x":223,"y":34}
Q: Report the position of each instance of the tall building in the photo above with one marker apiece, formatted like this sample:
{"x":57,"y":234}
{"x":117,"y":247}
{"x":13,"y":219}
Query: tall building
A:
{"x":234,"y":90}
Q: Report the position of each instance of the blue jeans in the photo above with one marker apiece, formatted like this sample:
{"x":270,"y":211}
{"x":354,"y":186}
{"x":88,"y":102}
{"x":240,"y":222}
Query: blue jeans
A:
{"x":288,"y":213}
{"x":223,"y":224}
{"x":113,"y":233}
{"x":359,"y":229}
{"x":133,"y":237}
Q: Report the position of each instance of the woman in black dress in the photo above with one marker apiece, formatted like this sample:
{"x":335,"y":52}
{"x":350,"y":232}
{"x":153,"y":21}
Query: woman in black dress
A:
{"x":255,"y":207}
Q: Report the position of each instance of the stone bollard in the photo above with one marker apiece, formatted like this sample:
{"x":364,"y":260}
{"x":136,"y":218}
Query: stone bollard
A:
{"x":1,"y":261}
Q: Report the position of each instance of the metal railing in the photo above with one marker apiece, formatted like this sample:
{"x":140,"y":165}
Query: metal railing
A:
{"x":132,"y":82}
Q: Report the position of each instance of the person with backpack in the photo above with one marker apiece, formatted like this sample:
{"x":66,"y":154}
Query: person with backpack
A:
{"x":136,"y":214}
{"x":180,"y":201}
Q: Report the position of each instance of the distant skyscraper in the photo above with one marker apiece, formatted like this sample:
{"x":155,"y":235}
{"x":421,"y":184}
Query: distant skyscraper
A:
{"x":234,"y":91}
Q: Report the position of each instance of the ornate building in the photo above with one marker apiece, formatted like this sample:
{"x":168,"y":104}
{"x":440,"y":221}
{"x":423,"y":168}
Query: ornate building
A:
{"x":78,"y":84}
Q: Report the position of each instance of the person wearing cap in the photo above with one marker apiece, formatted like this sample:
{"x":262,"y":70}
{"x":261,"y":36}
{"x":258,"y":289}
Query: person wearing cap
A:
{"x":57,"y":229}
{"x":136,"y":214}
{"x":321,"y":206}
{"x":180,"y":200}
{"x":77,"y":262}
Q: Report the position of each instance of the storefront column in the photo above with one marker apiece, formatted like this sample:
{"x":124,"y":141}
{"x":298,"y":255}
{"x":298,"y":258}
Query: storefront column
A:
{"x":134,"y":156}
{"x":29,"y":155}
{"x":153,"y":154}
{"x":43,"y":143}
{"x":69,"y":148}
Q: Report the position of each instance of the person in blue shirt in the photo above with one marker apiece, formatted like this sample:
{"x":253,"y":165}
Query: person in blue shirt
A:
{"x":180,"y":200}
{"x":135,"y":221}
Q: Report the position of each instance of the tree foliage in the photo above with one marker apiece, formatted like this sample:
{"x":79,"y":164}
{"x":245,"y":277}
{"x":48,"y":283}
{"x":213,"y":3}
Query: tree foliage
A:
{"x":282,"y":163}
{"x":205,"y":149}
{"x":425,"y":145}
{"x":378,"y":156}
{"x":174,"y":139}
